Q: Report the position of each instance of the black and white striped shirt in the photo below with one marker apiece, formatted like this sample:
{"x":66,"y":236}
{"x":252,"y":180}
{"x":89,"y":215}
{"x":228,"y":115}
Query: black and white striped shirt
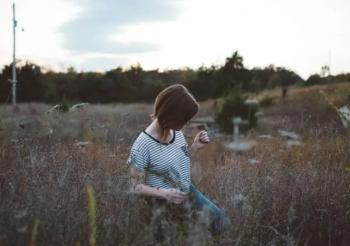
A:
{"x":165,"y":165}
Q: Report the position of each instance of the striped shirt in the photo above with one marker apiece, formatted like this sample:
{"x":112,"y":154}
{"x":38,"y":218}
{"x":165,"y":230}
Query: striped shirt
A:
{"x":165,"y":165}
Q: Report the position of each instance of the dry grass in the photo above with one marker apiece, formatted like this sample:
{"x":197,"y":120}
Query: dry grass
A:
{"x":309,"y":90}
{"x":293,"y":196}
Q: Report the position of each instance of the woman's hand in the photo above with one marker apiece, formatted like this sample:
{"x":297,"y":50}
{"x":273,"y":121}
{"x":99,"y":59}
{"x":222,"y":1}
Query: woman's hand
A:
{"x":174,"y":196}
{"x":171,"y":195}
{"x":201,"y":140}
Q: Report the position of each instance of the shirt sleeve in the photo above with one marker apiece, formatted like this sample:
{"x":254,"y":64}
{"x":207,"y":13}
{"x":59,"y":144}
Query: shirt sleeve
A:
{"x":184,"y":138}
{"x":138,"y":159}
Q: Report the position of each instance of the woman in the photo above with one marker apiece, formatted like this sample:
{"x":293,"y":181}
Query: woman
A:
{"x":160,"y":158}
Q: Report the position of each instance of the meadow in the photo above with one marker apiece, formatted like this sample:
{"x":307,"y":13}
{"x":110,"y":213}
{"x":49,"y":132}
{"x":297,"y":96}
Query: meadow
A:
{"x":56,"y":192}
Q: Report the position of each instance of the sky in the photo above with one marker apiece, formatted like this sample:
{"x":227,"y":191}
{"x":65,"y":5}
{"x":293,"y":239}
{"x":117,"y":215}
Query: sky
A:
{"x":97,"y":35}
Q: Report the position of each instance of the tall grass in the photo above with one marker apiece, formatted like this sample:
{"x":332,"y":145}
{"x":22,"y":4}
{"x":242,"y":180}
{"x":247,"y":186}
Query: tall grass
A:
{"x":292,"y":195}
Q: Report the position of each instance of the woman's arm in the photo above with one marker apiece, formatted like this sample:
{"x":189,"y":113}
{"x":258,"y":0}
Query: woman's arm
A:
{"x":138,"y":183}
{"x":192,"y":151}
{"x":200,"y":141}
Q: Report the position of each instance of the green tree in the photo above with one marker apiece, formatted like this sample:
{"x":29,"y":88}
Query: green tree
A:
{"x":236,"y":105}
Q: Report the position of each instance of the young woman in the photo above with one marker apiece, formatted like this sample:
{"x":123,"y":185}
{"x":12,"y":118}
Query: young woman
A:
{"x":160,"y":158}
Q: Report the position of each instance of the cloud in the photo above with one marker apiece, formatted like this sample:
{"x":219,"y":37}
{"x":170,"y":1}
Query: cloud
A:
{"x":100,"y":64}
{"x":94,"y":27}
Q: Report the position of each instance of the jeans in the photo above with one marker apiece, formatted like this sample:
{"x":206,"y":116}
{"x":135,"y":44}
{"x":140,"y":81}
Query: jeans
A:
{"x":218,"y":222}
{"x":196,"y":202}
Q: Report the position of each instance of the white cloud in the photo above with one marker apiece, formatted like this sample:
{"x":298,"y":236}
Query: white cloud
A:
{"x":297,"y":34}
{"x":40,"y":41}
{"x":293,"y":33}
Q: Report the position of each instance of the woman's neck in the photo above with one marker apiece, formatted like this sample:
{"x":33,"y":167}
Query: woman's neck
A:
{"x":152,"y":130}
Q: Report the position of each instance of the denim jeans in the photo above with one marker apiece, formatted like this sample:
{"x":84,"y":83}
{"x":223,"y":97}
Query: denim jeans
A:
{"x":197,"y":202}
{"x":217,"y":220}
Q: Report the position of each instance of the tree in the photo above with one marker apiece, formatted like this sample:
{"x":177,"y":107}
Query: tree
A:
{"x":263,"y":75}
{"x":236,"y":105}
{"x":315,"y":79}
{"x":5,"y":85}
{"x":123,"y":89}
{"x":203,"y":87}
{"x":134,"y":84}
{"x":231,"y":75}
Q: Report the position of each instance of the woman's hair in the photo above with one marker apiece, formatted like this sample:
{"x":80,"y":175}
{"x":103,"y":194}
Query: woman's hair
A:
{"x":173,"y":108}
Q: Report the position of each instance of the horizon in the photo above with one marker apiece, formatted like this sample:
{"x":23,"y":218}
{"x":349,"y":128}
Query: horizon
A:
{"x":176,"y":34}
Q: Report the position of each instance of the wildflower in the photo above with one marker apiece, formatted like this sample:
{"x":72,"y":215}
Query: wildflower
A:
{"x":322,"y":93}
{"x":242,"y":201}
{"x":23,"y":124}
{"x":53,"y":109}
{"x":288,"y":134}
{"x":266,"y":136}
{"x":82,"y":144}
{"x":293,"y":143}
{"x":253,"y":161}
{"x":204,"y":216}
{"x":13,"y":188}
{"x":22,"y":229}
{"x":78,"y":106}
{"x":21,"y":214}
{"x":251,"y":101}
{"x":14,"y":141}
{"x":269,"y":179}
{"x":238,"y":198}
{"x":156,"y":212}
{"x":238,"y":146}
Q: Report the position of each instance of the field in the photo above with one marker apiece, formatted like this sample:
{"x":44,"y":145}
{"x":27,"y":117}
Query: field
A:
{"x":275,"y":193}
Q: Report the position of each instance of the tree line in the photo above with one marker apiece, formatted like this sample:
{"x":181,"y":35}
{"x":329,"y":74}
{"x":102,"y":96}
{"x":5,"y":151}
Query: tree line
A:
{"x":134,"y":84}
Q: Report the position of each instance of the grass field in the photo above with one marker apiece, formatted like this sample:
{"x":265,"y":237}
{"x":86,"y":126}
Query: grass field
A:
{"x":289,"y":195}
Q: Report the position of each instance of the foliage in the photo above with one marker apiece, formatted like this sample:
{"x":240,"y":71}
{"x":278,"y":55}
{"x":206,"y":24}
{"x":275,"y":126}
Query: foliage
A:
{"x":279,"y":200}
{"x":235,"y":105}
{"x":315,"y":79}
{"x":50,"y":177}
{"x":134,"y":84}
{"x":342,"y":77}
{"x":65,"y":105}
{"x":268,"y":101}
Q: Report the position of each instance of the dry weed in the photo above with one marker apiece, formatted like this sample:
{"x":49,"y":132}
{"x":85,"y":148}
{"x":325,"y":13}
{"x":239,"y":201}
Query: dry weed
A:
{"x":275,"y":193}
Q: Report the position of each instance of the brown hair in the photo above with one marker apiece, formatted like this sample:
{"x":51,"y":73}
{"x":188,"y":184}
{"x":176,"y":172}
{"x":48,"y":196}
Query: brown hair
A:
{"x":173,"y":108}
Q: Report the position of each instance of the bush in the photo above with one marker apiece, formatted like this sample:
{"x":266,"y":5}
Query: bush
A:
{"x":315,"y":80}
{"x":236,"y":105}
{"x":268,"y":101}
{"x":65,"y":104}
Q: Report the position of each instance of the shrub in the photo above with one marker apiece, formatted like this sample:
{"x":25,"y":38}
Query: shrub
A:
{"x":268,"y":101}
{"x":65,"y":104}
{"x":315,"y":80}
{"x":236,"y":104}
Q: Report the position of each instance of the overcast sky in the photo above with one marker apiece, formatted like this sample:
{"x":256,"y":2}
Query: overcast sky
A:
{"x":104,"y":34}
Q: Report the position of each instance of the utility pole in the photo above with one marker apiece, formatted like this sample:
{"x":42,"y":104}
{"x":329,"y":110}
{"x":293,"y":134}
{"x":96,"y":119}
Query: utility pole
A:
{"x":14,"y":59}
{"x":329,"y":65}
